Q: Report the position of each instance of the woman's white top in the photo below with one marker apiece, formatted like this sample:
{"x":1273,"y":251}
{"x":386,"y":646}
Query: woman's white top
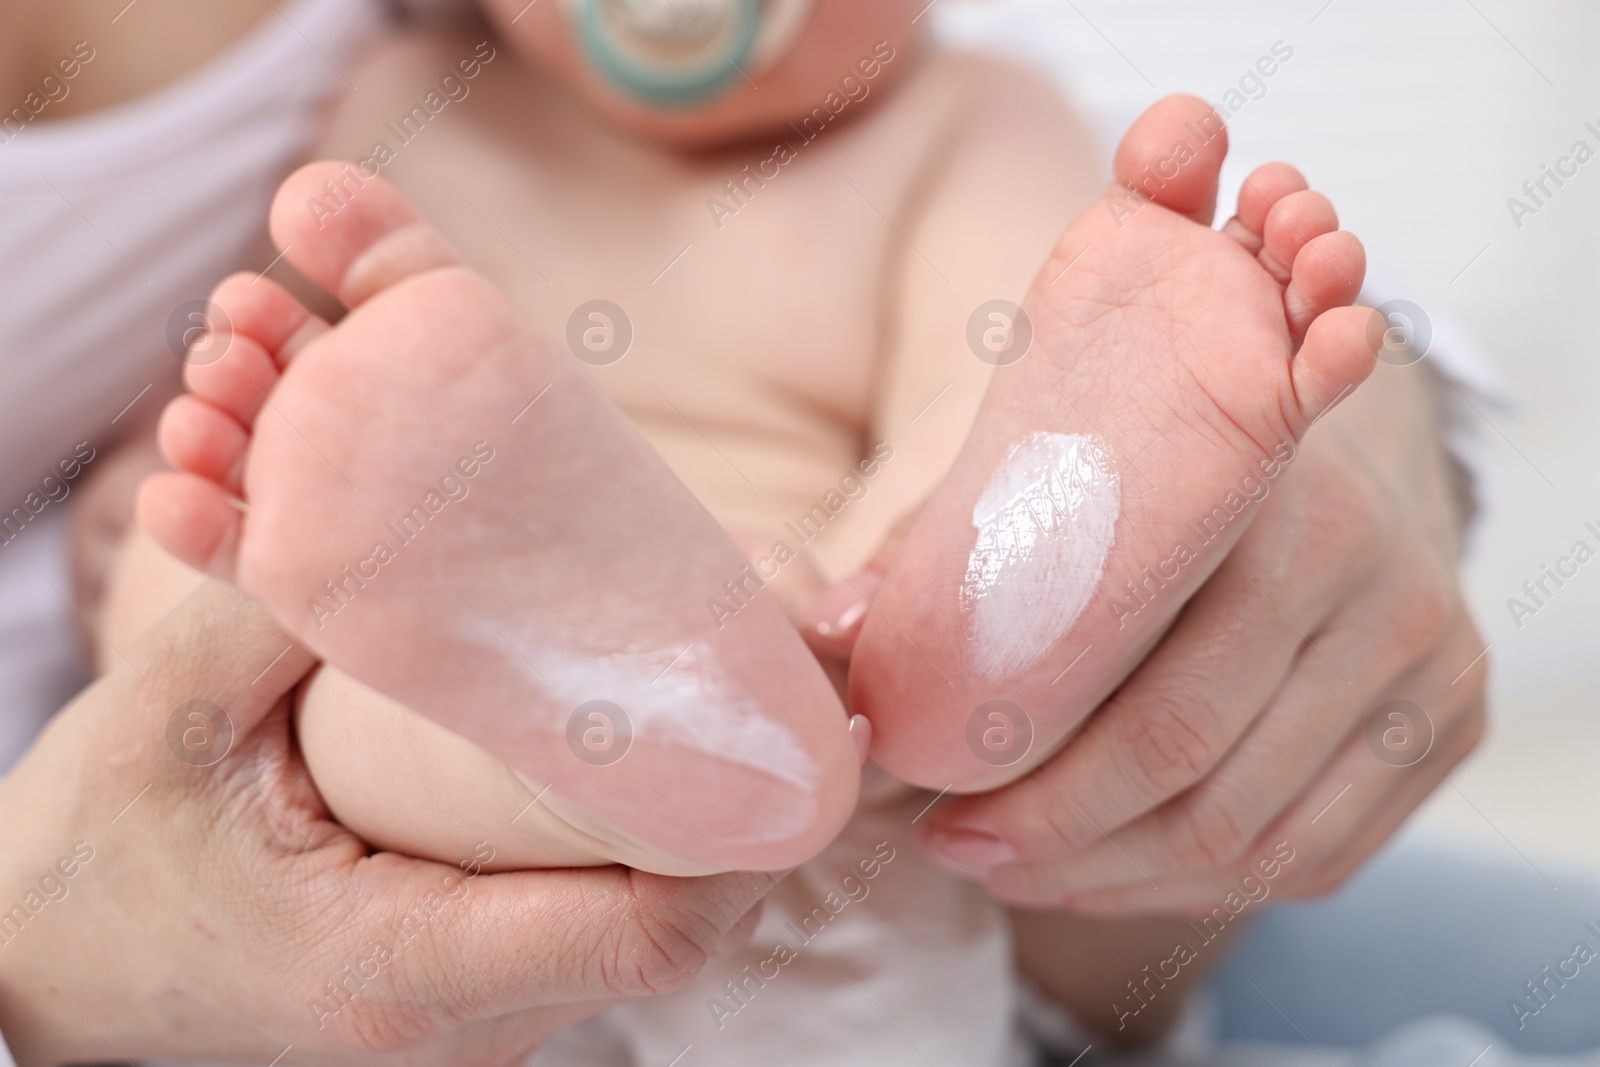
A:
{"x":112,"y":221}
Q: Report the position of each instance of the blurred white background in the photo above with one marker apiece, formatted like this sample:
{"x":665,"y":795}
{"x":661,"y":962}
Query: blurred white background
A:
{"x":1420,"y":120}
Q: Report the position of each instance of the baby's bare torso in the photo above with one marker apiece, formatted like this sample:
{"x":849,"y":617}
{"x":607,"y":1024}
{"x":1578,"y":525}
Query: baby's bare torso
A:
{"x":788,"y":322}
{"x":765,"y":286}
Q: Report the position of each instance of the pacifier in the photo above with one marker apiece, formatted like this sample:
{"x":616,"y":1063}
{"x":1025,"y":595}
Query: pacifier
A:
{"x":681,"y":53}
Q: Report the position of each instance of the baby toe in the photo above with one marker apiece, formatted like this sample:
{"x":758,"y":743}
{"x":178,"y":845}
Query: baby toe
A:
{"x":1327,"y":274}
{"x":257,"y":327}
{"x":1339,"y":353}
{"x":200,"y":438}
{"x":191,"y":518}
{"x":1265,"y":186}
{"x":1172,"y":155}
{"x":353,"y":235}
{"x":1291,"y":222}
{"x":259,"y":308}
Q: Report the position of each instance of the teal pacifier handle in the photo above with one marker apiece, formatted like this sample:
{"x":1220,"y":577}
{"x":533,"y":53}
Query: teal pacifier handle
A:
{"x":662,"y":86}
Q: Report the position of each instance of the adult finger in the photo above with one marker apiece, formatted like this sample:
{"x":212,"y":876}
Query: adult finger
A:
{"x":1323,"y":859}
{"x":527,"y":939}
{"x":621,"y":932}
{"x":1357,"y":799}
{"x":1454,"y":713}
{"x":1367,"y":835}
{"x":1338,"y":676}
{"x":217,"y":647}
{"x":516,"y":940}
{"x":190,"y":690}
{"x":1186,"y":707}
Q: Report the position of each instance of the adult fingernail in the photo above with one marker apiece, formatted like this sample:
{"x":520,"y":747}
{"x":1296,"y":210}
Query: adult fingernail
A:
{"x":836,"y":614}
{"x":861,"y":730}
{"x":969,"y":851}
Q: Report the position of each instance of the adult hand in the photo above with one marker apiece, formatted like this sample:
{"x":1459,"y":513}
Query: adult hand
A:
{"x":157,"y":901}
{"x":1264,"y":714}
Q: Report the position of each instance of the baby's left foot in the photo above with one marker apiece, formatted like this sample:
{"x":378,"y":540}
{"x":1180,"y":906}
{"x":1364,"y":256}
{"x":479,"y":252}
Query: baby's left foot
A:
{"x":1173,"y":371}
{"x":532,"y":578}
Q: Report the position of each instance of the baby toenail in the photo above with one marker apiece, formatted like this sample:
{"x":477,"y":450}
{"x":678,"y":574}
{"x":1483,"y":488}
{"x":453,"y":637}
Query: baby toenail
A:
{"x":970,"y":851}
{"x":846,"y":621}
{"x":839,"y":610}
{"x":861,"y":731}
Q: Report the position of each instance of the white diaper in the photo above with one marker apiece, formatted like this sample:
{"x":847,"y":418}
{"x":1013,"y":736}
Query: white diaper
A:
{"x":867,"y":956}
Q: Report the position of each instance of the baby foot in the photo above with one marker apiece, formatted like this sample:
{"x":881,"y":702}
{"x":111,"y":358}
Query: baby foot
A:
{"x":445,"y":507}
{"x":1173,"y":370}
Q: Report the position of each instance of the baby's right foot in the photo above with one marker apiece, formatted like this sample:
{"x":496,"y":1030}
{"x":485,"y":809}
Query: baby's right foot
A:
{"x":445,"y":507}
{"x":1174,"y":369}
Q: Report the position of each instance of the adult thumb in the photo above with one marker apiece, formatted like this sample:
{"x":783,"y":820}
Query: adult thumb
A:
{"x":529,"y":939}
{"x":206,"y":673}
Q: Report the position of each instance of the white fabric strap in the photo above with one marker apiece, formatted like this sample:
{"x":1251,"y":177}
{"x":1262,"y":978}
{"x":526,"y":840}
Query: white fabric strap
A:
{"x":177,"y":183}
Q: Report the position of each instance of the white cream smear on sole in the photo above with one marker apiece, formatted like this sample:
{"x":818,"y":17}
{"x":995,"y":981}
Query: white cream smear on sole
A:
{"x":1045,"y":523}
{"x":694,"y":705}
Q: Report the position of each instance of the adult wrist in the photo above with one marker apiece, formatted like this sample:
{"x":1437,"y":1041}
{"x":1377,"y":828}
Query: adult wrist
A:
{"x":1469,"y":390}
{"x":1468,"y":474}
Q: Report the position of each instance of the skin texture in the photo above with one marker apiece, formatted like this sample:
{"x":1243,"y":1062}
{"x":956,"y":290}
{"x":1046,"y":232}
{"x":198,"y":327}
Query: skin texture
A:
{"x":528,"y":598}
{"x":1357,"y":547}
{"x":928,"y":312}
{"x":596,"y":211}
{"x":1197,"y":363}
{"x":158,"y":948}
{"x":1370,"y":502}
{"x":954,"y":145}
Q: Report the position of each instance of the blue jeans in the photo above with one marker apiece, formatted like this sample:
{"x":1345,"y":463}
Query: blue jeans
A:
{"x":1425,"y":930}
